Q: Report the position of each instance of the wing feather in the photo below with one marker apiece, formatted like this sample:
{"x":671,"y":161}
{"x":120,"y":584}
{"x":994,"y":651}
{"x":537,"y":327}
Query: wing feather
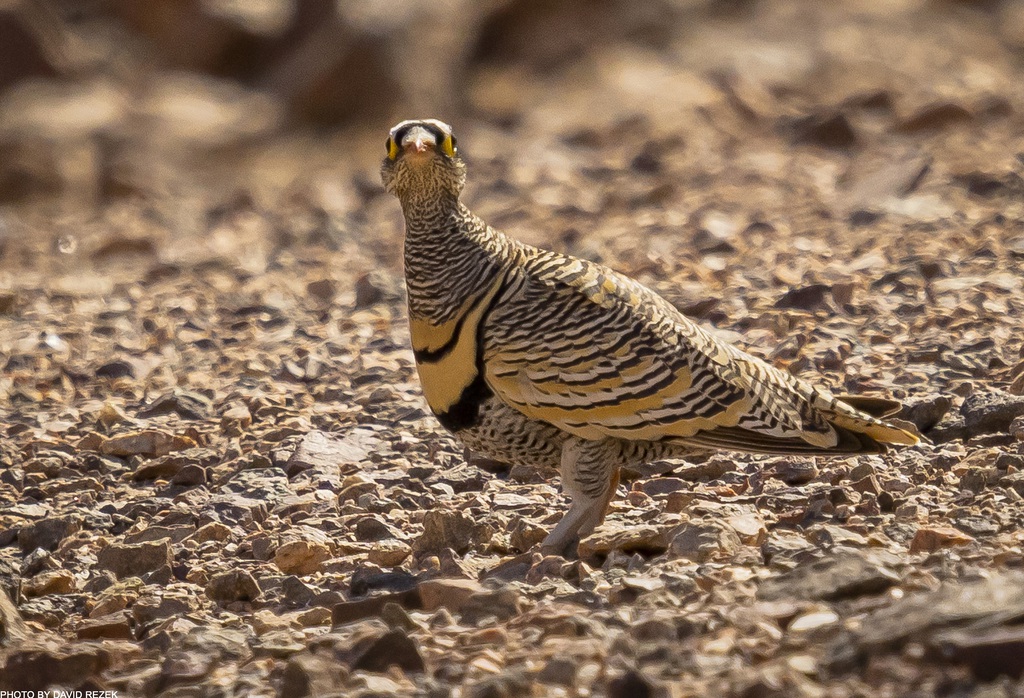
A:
{"x":599,"y":355}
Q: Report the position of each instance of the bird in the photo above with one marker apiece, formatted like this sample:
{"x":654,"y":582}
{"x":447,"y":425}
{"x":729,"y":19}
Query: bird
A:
{"x":533,"y":357}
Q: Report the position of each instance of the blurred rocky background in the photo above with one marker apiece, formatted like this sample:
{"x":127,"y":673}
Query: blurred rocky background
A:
{"x":217,"y":472}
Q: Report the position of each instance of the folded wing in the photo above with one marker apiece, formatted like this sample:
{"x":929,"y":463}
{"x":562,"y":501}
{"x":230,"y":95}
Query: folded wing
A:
{"x":599,"y":355}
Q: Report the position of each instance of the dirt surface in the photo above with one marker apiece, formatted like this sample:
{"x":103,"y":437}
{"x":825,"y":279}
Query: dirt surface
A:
{"x":217,"y":473}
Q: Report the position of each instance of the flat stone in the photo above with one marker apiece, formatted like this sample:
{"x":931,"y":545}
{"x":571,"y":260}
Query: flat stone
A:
{"x":393,"y":648}
{"x":149,"y":442}
{"x":447,"y":593}
{"x":308,"y":674}
{"x":44,"y":583}
{"x":919,"y":617}
{"x":47,"y":533}
{"x":843,"y":575}
{"x":987,"y":412}
{"x":388,"y":553}
{"x":233,"y":585}
{"x":301,"y":556}
{"x":134,"y":560}
{"x":704,"y":540}
{"x":175,"y":534}
{"x":648,"y":539}
{"x":349,"y":611}
{"x":327,"y":453}
{"x":159,"y":606}
{"x":114,"y":626}
{"x":446,"y":529}
{"x":990,"y":653}
{"x":931,"y":538}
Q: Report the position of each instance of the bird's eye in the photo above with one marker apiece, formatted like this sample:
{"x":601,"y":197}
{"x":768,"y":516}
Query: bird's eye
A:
{"x":448,"y":146}
{"x":392,"y":148}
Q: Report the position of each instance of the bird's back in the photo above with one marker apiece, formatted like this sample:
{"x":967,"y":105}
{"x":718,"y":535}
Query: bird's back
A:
{"x":577,"y":345}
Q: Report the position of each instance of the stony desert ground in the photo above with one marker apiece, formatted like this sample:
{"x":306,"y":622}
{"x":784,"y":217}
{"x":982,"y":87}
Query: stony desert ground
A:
{"x":218,"y":476}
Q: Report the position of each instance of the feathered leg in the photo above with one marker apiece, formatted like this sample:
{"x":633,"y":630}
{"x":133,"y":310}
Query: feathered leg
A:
{"x":590,"y":475}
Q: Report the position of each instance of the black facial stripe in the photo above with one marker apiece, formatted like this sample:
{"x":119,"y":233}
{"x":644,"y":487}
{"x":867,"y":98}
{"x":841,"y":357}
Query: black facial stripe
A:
{"x":435,"y":131}
{"x":401,"y":133}
{"x":438,"y":134}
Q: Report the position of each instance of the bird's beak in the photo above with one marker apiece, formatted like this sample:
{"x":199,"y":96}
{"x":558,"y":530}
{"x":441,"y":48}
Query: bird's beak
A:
{"x":418,"y":141}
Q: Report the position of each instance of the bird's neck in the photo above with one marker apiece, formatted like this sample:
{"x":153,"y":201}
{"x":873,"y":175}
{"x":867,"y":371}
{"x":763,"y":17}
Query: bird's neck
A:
{"x":449,"y":257}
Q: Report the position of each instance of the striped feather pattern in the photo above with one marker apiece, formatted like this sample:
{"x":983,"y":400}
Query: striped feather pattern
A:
{"x":510,"y":338}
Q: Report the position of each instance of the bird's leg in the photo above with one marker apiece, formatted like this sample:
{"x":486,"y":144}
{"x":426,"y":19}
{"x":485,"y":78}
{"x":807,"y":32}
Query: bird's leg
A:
{"x":590,"y":474}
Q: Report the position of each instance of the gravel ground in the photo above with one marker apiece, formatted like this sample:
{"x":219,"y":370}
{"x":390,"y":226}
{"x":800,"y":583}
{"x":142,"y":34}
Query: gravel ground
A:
{"x":218,"y":476}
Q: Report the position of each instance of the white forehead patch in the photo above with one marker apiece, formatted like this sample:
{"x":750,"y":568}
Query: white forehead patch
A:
{"x":445,"y":128}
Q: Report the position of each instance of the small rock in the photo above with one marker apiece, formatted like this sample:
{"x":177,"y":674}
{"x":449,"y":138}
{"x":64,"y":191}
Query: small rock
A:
{"x":812,"y":621}
{"x":645,"y":539}
{"x":749,"y":527}
{"x":704,"y":540}
{"x":844,"y":575}
{"x":375,"y":287}
{"x":211,"y":531}
{"x":56,"y":582}
{"x":234,"y":585}
{"x":134,"y":560}
{"x":989,"y":652}
{"x":446,"y":529}
{"x":235,"y":420}
{"x":72,"y":665}
{"x":925,"y":413}
{"x":308,"y":674}
{"x":987,"y":412}
{"x":827,"y":129}
{"x":114,"y":626}
{"x":931,"y":538}
{"x":160,"y":606}
{"x":301,"y":556}
{"x":664,"y":485}
{"x":190,"y":475}
{"x":326,"y":452}
{"x":175,"y":534}
{"x":145,"y":443}
{"x":503,"y":603}
{"x":809,"y":298}
{"x":447,"y":593}
{"x":795,"y":471}
{"x":560,"y":671}
{"x":934,"y":117}
{"x":47,"y":533}
{"x":1014,"y":481}
{"x":12,"y":628}
{"x":350,"y":611}
{"x":323,"y":290}
{"x":187,"y":405}
{"x":116,"y":369}
{"x":393,"y":648}
{"x":630,"y":685}
{"x":388,"y":553}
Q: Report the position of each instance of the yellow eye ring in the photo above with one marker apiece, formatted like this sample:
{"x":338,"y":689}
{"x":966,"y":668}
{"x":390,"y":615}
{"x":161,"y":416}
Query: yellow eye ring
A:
{"x":392,"y":148}
{"x":448,"y":146}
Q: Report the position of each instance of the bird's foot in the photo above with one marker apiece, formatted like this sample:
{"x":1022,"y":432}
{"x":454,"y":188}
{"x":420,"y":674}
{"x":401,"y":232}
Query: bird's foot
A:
{"x":567,"y":548}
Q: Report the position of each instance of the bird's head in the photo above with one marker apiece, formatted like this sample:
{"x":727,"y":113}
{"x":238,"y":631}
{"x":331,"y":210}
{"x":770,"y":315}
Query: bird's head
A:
{"x":422,"y":162}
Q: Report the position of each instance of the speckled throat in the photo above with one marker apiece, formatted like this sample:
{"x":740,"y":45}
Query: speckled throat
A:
{"x":450,"y":256}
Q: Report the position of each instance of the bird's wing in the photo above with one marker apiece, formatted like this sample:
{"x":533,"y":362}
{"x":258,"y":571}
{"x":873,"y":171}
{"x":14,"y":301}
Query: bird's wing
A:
{"x":598,"y":355}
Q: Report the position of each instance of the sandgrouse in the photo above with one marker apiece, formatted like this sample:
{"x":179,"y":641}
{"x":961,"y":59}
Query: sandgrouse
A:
{"x":538,"y":358}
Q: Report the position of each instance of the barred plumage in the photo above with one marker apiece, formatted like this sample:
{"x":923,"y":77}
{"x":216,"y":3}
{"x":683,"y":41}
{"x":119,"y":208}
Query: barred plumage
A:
{"x":539,"y":358}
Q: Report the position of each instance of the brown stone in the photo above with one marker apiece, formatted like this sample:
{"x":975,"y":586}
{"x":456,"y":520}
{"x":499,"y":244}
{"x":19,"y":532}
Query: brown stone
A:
{"x":931,"y":538}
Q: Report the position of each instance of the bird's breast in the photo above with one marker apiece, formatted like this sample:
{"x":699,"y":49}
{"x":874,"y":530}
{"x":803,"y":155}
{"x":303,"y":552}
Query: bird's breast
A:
{"x":450,"y":363}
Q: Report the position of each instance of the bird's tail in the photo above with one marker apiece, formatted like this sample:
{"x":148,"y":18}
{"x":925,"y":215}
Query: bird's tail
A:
{"x":872,"y":416}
